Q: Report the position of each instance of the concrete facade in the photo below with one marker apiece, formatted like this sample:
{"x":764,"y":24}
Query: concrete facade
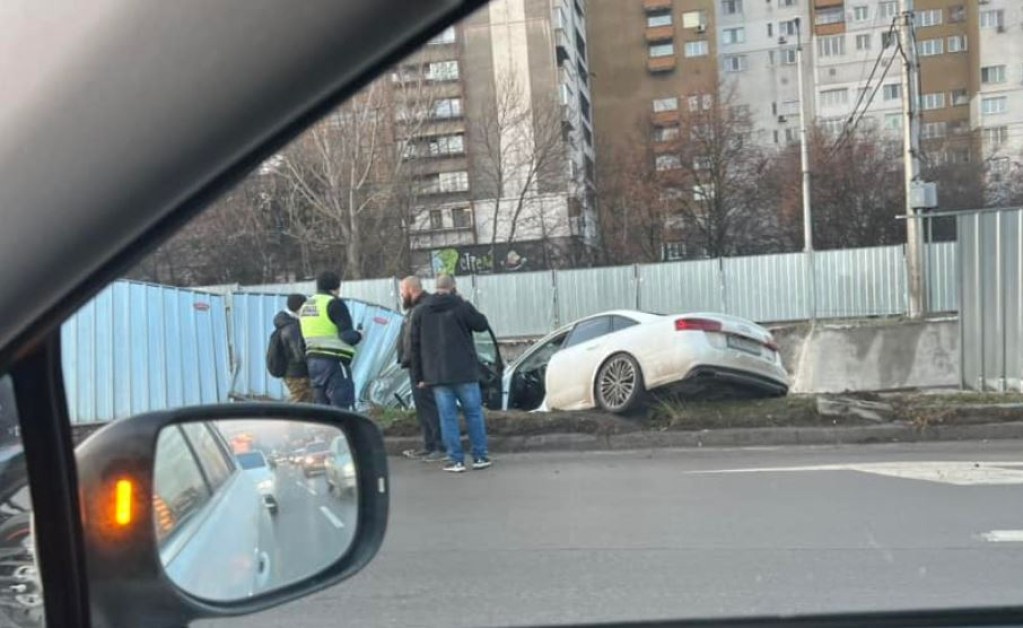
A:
{"x":1000,"y":60}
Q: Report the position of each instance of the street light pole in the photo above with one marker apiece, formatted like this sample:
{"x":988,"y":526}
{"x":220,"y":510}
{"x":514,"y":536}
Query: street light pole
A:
{"x":911,"y":159}
{"x":804,"y":163}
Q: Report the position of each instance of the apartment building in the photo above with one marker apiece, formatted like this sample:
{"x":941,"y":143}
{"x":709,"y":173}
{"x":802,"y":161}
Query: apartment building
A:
{"x":505,"y":164}
{"x":997,"y":110}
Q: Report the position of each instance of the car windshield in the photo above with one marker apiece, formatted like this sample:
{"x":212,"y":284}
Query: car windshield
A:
{"x":251,"y":460}
{"x":828,"y":416}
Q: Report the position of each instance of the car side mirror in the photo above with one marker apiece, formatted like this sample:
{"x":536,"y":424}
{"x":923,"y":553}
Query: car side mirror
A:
{"x":182,"y":512}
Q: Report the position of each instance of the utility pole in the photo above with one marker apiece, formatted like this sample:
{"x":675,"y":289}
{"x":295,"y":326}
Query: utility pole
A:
{"x":911,"y":159}
{"x":804,"y":162}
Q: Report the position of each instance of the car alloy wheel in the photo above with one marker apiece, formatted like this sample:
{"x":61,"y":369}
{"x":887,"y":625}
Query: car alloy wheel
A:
{"x":619,"y":383}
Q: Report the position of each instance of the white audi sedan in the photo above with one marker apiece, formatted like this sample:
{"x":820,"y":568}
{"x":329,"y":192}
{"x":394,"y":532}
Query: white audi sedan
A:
{"x":613,"y":359}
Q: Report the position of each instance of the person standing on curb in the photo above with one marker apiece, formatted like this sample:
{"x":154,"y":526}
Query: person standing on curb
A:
{"x":412,"y":294}
{"x":296,"y":374}
{"x":330,"y":340}
{"x":443,"y":358}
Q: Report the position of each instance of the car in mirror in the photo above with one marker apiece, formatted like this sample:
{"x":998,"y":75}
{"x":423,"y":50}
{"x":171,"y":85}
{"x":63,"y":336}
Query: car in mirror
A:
{"x":186,"y":508}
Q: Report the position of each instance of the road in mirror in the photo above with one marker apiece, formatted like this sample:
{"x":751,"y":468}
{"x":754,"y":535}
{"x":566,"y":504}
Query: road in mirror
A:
{"x":243,"y":507}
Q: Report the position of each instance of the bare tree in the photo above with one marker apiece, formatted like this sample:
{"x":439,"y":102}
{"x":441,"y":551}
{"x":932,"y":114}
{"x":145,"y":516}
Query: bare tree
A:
{"x":633,"y":213}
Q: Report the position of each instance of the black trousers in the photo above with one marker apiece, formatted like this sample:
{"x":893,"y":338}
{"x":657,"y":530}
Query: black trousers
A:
{"x":429,"y":418}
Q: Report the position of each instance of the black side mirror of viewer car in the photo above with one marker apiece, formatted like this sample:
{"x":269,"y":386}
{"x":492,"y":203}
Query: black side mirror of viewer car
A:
{"x":181,"y":510}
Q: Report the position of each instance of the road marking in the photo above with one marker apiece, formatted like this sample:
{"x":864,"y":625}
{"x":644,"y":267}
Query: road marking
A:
{"x":331,"y":517}
{"x":1003,"y":536}
{"x":956,"y":472}
{"x":311,"y":490}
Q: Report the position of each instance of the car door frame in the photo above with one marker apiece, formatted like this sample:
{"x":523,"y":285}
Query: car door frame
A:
{"x":492,"y":378}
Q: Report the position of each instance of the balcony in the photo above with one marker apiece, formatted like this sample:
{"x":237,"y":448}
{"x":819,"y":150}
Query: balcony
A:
{"x":825,"y":4}
{"x":656,"y":5}
{"x":660,"y":33}
{"x":661,"y":64}
{"x":665,"y":118}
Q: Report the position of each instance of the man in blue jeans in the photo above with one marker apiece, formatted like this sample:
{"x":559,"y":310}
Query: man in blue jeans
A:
{"x":444,"y":359}
{"x":330,"y":343}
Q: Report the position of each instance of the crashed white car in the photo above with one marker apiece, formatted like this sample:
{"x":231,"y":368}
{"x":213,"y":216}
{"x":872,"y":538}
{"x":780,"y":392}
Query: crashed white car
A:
{"x":613,"y":359}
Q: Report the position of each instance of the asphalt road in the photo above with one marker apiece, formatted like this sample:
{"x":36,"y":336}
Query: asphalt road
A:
{"x":667,"y":534}
{"x":312,"y":528}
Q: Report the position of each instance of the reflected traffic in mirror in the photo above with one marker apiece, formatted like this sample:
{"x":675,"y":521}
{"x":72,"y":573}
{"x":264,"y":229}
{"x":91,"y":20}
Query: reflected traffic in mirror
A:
{"x":243,"y":507}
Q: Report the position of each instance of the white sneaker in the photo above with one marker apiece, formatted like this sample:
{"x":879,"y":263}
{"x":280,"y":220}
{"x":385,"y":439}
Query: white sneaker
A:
{"x":455,"y":467}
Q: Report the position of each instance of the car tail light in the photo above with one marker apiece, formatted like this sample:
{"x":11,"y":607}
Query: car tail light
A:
{"x":697,"y":324}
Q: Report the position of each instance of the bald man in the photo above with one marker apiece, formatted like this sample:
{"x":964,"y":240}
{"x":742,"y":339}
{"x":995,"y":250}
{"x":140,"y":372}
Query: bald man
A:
{"x":412,"y":295}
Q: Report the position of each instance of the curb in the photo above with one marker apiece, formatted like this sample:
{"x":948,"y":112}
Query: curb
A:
{"x":753,"y":437}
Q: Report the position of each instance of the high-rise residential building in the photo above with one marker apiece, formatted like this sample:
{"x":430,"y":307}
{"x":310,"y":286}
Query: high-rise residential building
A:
{"x":997,"y":109}
{"x":505,"y":164}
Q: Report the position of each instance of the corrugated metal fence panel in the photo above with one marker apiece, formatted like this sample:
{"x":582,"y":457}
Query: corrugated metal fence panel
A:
{"x":860,"y":282}
{"x":137,"y":348}
{"x":517,"y":305}
{"x":941,"y":277}
{"x":382,"y":292}
{"x":679,"y":287}
{"x":589,"y":291}
{"x":766,"y":287}
{"x":295,"y":287}
{"x":252,"y":317}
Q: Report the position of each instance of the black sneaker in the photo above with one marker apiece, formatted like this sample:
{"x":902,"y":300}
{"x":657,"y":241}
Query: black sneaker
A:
{"x":455,"y":467}
{"x":481,"y":463}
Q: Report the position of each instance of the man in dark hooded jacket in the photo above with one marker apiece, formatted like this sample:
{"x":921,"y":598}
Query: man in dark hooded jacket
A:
{"x":444,"y":358}
{"x":296,"y":377}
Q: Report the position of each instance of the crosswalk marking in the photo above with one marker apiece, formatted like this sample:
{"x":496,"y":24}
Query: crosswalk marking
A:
{"x":949,"y":472}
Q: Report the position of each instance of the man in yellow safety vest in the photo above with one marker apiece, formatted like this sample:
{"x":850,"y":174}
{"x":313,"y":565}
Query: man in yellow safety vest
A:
{"x":330,"y":340}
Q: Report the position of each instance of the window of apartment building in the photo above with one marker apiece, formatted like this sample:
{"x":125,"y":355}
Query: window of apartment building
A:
{"x":833,"y":126}
{"x":584,"y":107}
{"x":992,"y":74}
{"x":957,"y":14}
{"x":734,"y":63}
{"x":888,"y":39}
{"x":578,"y":8}
{"x":996,"y":136}
{"x":453,"y":181}
{"x":460,"y":218}
{"x":788,"y":3}
{"x":861,"y":13}
{"x":694,"y":103}
{"x":930,"y":47}
{"x":931,"y":17}
{"x":447,"y":36}
{"x":659,"y":18}
{"x":992,"y":19}
{"x":661,"y":50}
{"x":447,"y":108}
{"x":740,"y":112}
{"x":708,"y":101}
{"x":957,"y":43}
{"x":701,"y":163}
{"x":693,"y":19}
{"x":442,"y":71}
{"x":834,"y":15}
{"x":933,"y":130}
{"x":932,"y":101}
{"x":581,"y":72}
{"x":892,"y":122}
{"x":888,"y":10}
{"x":960,"y":97}
{"x":833,"y":46}
{"x":892,"y":91}
{"x":703,"y":192}
{"x":731,"y":7}
{"x":665,"y":104}
{"x":436,"y":219}
{"x":863,"y":42}
{"x":697,"y":48}
{"x":834,"y":97}
{"x":566,"y":93}
{"x":446,"y":145}
{"x":580,"y":44}
{"x":587,"y":135}
{"x":673,"y":251}
{"x":994,"y":105}
{"x":788,"y":28}
{"x":788,"y":56}
{"x":667,"y":162}
{"x":666,"y":133}
{"x":731,"y":36}
{"x":959,"y":127}
{"x":770,"y":30}
{"x":791,"y":136}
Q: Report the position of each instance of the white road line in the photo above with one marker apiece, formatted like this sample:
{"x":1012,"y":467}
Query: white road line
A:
{"x":953,"y":472}
{"x":331,"y":517}
{"x":311,"y":490}
{"x":1003,"y":536}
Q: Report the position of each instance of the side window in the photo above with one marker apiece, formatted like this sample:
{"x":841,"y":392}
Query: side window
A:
{"x":588,"y":330}
{"x":215,"y":462}
{"x":542,"y":355}
{"x":179,"y":490}
{"x":619,"y":323}
{"x":486,"y":348}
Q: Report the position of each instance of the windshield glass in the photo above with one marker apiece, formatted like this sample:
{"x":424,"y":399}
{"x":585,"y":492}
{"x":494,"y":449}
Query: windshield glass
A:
{"x":252,"y":460}
{"x":827,"y":418}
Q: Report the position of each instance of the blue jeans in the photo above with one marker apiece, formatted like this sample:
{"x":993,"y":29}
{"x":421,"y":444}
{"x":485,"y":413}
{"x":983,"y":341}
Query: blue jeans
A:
{"x":470,"y":398}
{"x":332,"y":382}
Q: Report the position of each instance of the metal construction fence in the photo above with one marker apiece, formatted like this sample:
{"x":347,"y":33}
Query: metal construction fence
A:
{"x":845,"y":283}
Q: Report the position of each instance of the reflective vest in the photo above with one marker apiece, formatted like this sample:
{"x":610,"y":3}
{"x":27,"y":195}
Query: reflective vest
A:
{"x":320,"y":333}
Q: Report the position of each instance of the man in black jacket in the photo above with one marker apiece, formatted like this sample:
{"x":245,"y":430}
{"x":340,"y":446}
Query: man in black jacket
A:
{"x":330,"y":339}
{"x":412,"y":294}
{"x":444,"y":359}
{"x":296,"y":377}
